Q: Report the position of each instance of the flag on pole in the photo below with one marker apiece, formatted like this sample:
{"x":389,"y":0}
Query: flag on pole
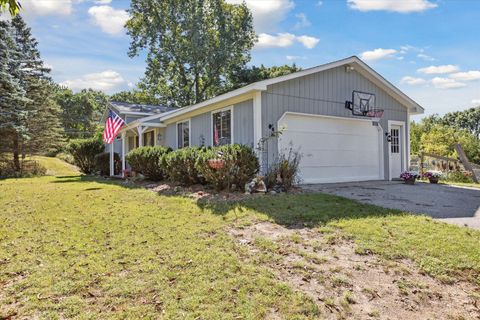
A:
{"x":112,"y":126}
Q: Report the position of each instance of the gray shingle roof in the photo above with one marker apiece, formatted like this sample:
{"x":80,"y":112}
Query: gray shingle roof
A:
{"x":123,"y":107}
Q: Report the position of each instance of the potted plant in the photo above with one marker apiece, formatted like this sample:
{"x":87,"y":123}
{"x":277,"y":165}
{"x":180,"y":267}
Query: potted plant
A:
{"x":432,"y":176}
{"x":409,"y":177}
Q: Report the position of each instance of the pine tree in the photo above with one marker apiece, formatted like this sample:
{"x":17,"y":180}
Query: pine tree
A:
{"x":12,"y":95}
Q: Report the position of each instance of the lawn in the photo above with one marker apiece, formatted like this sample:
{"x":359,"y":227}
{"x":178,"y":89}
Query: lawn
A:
{"x":81,"y":247}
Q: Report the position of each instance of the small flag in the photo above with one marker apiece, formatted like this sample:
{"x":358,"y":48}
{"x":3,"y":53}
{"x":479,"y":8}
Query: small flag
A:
{"x":112,"y":126}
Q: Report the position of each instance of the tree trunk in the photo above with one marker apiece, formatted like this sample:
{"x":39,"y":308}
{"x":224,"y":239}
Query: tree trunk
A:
{"x":16,"y":152}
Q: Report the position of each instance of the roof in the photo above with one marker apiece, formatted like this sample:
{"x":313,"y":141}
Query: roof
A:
{"x":139,"y":109}
{"x":357,"y":64}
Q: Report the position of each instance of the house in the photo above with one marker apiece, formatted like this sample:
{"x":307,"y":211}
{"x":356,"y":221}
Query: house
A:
{"x":331,"y":113}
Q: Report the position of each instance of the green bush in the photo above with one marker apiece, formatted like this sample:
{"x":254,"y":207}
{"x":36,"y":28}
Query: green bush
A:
{"x":67,"y":157}
{"x":84,"y":152}
{"x":458,"y":176}
{"x":148,"y":161}
{"x":283,"y":174}
{"x":180,"y":165}
{"x":28,"y":168}
{"x":240,"y":165}
{"x":102,"y":163}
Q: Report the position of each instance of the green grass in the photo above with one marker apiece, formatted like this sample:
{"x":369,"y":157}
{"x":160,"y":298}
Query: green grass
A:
{"x":80,"y":247}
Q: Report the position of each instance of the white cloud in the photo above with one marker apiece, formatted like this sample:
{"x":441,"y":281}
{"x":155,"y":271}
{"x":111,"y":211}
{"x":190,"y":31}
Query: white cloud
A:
{"x":105,"y":81}
{"x":402,"y":6}
{"x":308,"y":42}
{"x":425,"y":57}
{"x":283,"y":40}
{"x":413,"y":81}
{"x":449,"y":68}
{"x":377,"y":54}
{"x":303,"y":21}
{"x":466,"y":76}
{"x":47,"y":7}
{"x":295,"y":57}
{"x":103,"y":1}
{"x":476,"y":102}
{"x":447,"y":83}
{"x":109,"y":19}
{"x":267,"y":14}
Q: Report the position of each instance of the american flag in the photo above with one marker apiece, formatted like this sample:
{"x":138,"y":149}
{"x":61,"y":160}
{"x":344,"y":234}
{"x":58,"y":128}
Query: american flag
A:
{"x":112,"y":126}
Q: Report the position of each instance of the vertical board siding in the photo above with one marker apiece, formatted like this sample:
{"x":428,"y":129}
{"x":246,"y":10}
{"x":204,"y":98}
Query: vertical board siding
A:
{"x":200,"y":130}
{"x":324,"y":93}
{"x":201,"y":127}
{"x":243,"y":123}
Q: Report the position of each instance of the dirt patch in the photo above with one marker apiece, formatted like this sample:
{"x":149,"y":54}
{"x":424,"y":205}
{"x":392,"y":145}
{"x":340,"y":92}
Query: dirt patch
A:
{"x":324,"y":265}
{"x":201,"y":192}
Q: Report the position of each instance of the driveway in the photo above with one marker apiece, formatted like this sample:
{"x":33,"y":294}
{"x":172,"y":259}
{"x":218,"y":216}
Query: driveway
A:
{"x":458,"y":205}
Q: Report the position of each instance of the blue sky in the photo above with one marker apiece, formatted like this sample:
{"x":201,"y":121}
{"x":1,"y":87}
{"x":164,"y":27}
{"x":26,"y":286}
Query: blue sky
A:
{"x":428,"y":48}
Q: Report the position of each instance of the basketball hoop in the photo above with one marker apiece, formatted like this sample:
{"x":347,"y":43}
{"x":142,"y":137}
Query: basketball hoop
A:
{"x":363,"y":105}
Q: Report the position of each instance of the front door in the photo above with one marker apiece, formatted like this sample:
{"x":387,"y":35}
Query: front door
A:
{"x":395,"y":151}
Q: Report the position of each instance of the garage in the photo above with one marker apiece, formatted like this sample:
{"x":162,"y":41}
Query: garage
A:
{"x":333,"y":149}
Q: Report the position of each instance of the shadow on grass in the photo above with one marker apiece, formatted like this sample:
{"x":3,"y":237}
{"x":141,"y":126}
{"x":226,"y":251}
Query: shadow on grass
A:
{"x":300,"y":210}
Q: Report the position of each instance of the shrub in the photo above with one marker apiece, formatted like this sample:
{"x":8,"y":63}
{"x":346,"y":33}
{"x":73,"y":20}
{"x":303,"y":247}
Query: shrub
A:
{"x":102,"y":163}
{"x":458,"y":176}
{"x":284,"y":173}
{"x":148,"y":161}
{"x":28,"y":168}
{"x":180,"y":165}
{"x":234,"y":164}
{"x":84,"y":152}
{"x":67,"y":157}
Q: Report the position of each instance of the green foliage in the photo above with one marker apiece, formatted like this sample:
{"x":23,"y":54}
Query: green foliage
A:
{"x":28,"y":168}
{"x":180,"y":165}
{"x":438,"y":135}
{"x":253,"y":74}
{"x":13,"y":6}
{"x":29,"y":116}
{"x":441,"y":140}
{"x":81,"y":112}
{"x":102,"y":163}
{"x":193,"y":46}
{"x":148,"y":161}
{"x":240,"y":164}
{"x":135,"y":96}
{"x":458,"y":176}
{"x":84,"y":152}
{"x":284,"y":172}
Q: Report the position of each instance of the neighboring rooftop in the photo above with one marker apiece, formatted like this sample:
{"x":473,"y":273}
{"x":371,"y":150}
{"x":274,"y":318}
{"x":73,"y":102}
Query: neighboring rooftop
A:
{"x":146,"y":109}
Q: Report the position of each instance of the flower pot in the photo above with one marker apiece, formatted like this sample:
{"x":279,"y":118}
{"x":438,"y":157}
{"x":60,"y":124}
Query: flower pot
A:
{"x":409,"y":181}
{"x":433,"y":180}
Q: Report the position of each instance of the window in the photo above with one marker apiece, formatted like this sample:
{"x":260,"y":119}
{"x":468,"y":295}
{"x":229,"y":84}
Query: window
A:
{"x":149,"y":138}
{"x":183,"y":134}
{"x":222,"y":127}
{"x":395,"y":141}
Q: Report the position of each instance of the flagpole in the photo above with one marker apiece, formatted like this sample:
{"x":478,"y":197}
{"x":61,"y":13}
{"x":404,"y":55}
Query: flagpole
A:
{"x":112,"y":168}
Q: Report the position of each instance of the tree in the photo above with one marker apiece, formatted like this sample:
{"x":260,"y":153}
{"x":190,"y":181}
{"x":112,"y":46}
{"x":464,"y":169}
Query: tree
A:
{"x":246,"y":76}
{"x":467,"y":119}
{"x":441,"y":140}
{"x":135,"y":96}
{"x":13,"y":6}
{"x":80,"y":112}
{"x":193,"y":46}
{"x":29,"y":123}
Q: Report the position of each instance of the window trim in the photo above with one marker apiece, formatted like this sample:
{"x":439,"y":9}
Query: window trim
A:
{"x":189,"y":132}
{"x":229,"y":108}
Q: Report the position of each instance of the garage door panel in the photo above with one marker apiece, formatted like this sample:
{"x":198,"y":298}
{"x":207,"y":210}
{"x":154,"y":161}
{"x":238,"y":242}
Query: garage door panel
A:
{"x":330,"y":141}
{"x":333,"y":149}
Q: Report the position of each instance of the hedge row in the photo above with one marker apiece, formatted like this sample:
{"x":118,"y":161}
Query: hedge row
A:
{"x":221,"y":167}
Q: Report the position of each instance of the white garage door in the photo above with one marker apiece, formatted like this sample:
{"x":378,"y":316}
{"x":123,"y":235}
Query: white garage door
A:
{"x":333,"y":149}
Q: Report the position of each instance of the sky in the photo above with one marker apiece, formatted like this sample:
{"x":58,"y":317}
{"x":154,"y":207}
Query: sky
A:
{"x":427,"y":48}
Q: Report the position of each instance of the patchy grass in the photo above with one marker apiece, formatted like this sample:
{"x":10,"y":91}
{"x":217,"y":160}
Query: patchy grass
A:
{"x":80,"y":247}
{"x":55,"y":166}
{"x":462,"y":184}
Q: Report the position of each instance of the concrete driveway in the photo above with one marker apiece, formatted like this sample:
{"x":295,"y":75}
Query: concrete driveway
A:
{"x":458,"y":205}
